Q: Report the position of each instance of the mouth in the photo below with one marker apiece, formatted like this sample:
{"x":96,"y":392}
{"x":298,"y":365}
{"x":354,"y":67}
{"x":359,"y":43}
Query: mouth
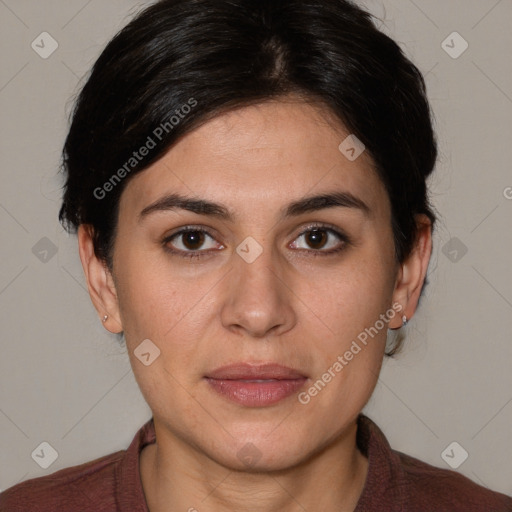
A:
{"x":254,"y":385}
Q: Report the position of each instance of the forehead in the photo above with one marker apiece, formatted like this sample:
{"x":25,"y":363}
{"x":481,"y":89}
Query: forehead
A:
{"x":268,"y":153}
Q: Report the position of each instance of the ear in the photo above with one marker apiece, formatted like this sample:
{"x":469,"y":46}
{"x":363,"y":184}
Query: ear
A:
{"x":99,"y":281}
{"x":411,"y":275}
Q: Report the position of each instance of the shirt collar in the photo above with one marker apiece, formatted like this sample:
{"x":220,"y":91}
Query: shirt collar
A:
{"x":129,"y":492}
{"x":384,"y":487}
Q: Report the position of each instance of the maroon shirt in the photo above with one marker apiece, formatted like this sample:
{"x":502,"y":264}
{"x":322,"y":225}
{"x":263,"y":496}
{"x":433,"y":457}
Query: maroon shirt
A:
{"x":395,"y":482}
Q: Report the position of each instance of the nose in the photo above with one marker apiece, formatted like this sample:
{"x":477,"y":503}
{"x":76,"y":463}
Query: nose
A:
{"x":259,"y":301}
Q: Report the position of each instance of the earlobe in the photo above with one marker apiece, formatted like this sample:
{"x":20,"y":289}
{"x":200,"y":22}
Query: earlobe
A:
{"x":411,"y":275}
{"x":99,"y":281}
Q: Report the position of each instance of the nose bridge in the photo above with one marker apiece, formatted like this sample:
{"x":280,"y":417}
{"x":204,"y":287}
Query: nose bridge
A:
{"x":258,"y":301}
{"x":259,"y":277}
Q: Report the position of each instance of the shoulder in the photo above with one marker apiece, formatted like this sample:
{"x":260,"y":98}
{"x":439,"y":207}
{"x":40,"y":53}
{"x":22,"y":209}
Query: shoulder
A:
{"x":441,"y":489}
{"x":397,"y":482}
{"x":78,"y":487}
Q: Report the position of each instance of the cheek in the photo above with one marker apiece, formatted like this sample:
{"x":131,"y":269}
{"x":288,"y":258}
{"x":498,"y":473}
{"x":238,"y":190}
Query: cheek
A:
{"x":352,"y":303}
{"x":154,"y":307}
{"x":350,"y":297}
{"x":349,"y":353}
{"x":151,"y":299}
{"x":172,"y":311}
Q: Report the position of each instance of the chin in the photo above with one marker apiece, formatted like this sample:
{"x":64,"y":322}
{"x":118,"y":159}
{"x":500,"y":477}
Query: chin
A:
{"x":260,"y":463}
{"x":262,"y":455}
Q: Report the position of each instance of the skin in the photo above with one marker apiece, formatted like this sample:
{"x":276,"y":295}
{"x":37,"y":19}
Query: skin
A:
{"x":288,"y":306}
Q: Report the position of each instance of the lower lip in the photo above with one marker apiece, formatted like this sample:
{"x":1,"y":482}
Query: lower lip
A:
{"x":256,"y":394}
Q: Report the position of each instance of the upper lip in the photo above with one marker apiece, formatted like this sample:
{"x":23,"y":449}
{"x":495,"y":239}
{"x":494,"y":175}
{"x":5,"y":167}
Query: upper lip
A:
{"x":247,"y":371}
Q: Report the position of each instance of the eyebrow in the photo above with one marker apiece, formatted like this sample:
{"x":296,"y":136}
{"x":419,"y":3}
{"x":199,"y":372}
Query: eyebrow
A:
{"x":305,"y":205}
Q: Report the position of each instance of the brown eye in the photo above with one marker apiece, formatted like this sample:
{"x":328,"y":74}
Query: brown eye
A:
{"x":316,"y":238}
{"x":320,"y":240}
{"x":190,"y":242}
{"x":193,"y":240}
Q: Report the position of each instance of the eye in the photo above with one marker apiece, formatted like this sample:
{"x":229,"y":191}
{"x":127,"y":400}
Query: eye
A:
{"x":188,"y":242}
{"x":319,"y":239}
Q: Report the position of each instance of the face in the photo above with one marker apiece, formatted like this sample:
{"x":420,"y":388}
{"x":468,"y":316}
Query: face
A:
{"x":265,"y":276}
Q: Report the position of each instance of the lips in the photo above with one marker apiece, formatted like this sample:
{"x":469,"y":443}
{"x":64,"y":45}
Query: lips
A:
{"x":255,"y":385}
{"x":247,"y":371}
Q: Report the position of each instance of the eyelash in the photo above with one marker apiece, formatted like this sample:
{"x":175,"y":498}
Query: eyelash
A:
{"x":201,"y":254}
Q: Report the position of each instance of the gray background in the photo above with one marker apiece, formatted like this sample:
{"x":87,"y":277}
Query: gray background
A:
{"x":66,"y":381}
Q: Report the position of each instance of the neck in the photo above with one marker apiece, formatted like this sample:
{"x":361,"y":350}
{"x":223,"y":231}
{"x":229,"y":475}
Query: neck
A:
{"x":175,"y":476}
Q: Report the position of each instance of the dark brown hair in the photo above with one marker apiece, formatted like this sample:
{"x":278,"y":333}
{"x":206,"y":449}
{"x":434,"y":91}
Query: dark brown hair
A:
{"x":181,"y":62}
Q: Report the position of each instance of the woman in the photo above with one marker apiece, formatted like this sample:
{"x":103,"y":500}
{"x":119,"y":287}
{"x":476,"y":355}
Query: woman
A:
{"x":248,"y":183}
